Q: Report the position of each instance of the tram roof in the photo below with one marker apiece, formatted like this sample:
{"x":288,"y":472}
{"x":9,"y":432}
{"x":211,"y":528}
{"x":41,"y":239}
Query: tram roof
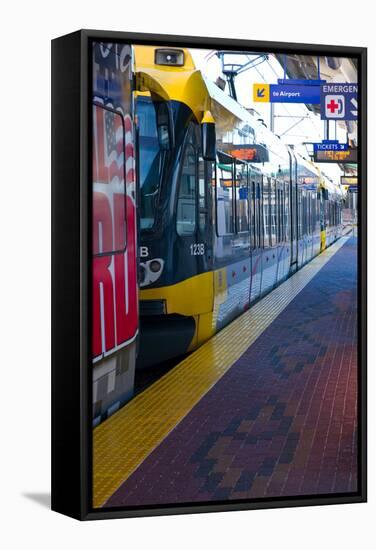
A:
{"x":187,"y":84}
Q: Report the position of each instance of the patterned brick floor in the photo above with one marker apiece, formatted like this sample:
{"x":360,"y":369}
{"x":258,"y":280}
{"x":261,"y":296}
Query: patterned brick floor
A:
{"x":282,"y":420}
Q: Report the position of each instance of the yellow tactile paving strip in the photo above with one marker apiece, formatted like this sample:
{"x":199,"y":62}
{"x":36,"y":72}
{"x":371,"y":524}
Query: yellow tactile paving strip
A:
{"x":123,"y":441}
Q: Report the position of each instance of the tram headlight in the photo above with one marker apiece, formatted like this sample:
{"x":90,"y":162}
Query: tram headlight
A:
{"x":169,"y":57}
{"x":155,"y":266}
{"x":150,"y":271}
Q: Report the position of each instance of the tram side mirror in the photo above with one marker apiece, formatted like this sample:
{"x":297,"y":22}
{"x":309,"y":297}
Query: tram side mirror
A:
{"x":165,"y":126}
{"x":208,"y":140}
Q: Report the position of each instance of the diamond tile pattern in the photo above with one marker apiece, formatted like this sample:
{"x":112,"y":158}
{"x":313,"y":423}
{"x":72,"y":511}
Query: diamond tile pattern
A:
{"x":267,"y":408}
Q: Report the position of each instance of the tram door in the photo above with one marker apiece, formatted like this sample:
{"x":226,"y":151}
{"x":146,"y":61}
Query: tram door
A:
{"x":323,"y":218}
{"x":257,"y":232}
{"x":293,"y":213}
{"x":193,"y":209}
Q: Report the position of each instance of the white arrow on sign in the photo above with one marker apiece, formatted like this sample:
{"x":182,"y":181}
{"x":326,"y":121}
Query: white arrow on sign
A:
{"x":355,"y":103}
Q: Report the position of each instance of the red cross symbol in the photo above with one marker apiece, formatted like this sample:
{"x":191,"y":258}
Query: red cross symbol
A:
{"x":332,"y":106}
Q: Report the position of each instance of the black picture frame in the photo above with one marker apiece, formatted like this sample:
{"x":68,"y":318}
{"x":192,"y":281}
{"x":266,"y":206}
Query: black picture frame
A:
{"x":71,"y":284}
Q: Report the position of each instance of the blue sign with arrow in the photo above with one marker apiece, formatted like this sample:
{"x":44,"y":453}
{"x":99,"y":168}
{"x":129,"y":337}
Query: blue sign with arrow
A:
{"x":330,"y":145}
{"x":289,"y":93}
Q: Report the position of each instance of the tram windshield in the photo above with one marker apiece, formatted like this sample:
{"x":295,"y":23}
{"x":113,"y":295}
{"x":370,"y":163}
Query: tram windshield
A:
{"x":151,"y":161}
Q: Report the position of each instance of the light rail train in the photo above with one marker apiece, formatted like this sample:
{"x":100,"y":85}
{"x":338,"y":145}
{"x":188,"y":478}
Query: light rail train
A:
{"x":198,"y":211}
{"x":226,"y":211}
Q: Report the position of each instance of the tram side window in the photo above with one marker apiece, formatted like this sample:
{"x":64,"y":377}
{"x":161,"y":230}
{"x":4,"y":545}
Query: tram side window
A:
{"x":266,"y":211}
{"x":256,"y":214}
{"x":273,"y":213}
{"x":225,"y":199}
{"x":300,"y":214}
{"x":212,"y":182}
{"x":258,"y":219}
{"x":308,"y":210}
{"x":186,"y":205}
{"x":320,"y":213}
{"x":309,"y":207}
{"x":242,"y":198}
{"x":252,"y":220}
{"x":293,"y":210}
{"x":287,"y":212}
{"x":282,"y":213}
{"x":205,"y":170}
{"x":280,"y":210}
{"x":314,"y":212}
{"x":326,"y":213}
{"x":304,"y":212}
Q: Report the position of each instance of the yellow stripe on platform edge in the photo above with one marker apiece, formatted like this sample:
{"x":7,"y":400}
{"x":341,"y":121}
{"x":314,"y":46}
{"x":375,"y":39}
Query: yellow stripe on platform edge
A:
{"x":124,"y":440}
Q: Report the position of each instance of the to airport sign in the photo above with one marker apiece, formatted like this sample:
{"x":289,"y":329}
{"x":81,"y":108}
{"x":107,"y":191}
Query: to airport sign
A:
{"x":339,"y":101}
{"x":286,"y":93}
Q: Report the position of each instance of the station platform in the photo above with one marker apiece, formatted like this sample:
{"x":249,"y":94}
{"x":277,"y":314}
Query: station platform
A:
{"x":266,"y":408}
